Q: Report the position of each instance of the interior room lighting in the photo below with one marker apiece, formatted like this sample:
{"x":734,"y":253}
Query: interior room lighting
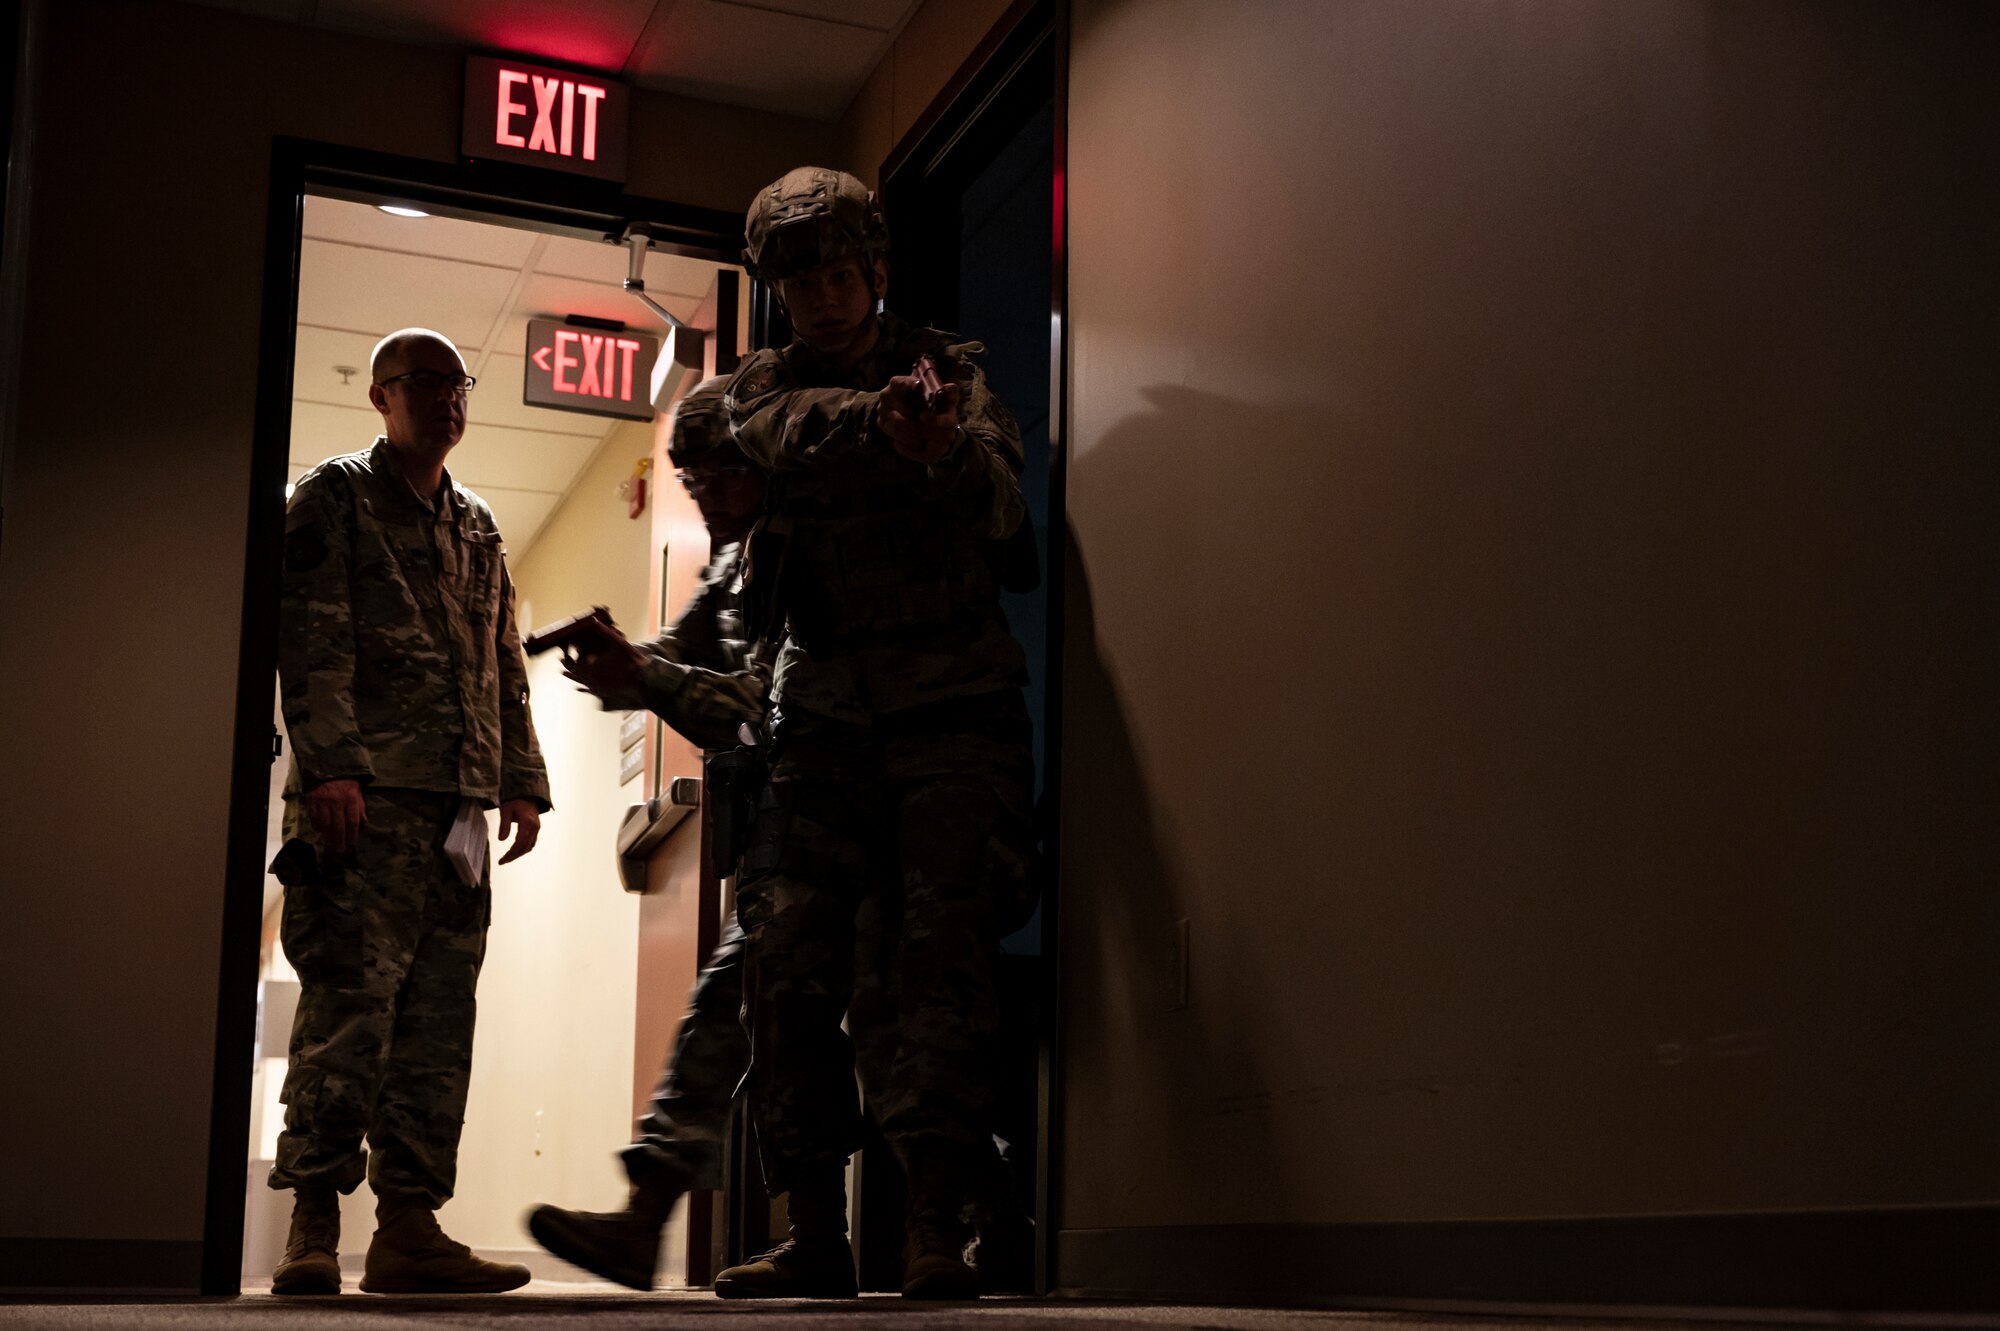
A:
{"x":397,"y":210}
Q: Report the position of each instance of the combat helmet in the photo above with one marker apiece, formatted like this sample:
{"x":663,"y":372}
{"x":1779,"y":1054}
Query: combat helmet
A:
{"x":701,"y":430}
{"x":810,"y":216}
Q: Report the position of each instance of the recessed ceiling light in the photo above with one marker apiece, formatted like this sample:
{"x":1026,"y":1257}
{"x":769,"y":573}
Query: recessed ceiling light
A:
{"x":395,"y":210}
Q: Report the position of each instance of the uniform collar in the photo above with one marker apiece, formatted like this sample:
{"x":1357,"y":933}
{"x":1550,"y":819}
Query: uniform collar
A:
{"x":391,"y":485}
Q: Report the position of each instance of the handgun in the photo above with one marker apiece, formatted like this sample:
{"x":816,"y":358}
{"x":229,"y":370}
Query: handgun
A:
{"x":569,"y":632}
{"x":926,"y":372}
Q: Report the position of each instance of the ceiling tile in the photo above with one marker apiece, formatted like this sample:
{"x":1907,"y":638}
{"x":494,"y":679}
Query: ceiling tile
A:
{"x":558,"y":297}
{"x":497,"y":401}
{"x":685,"y":276}
{"x":598,"y":35}
{"x":600,"y":262}
{"x":445,"y":237}
{"x":754,"y":57}
{"x":881,"y":15}
{"x":374,"y":291}
{"x":491,"y":455}
{"x":316,"y":351}
{"x":519,"y":514}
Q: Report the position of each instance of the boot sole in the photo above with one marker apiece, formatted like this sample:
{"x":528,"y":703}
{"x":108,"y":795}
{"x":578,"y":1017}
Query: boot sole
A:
{"x":501,"y":1284}
{"x":943,"y":1287}
{"x":314,"y":1283}
{"x":369,"y":1286}
{"x":558,"y":1241}
{"x":736,"y":1289}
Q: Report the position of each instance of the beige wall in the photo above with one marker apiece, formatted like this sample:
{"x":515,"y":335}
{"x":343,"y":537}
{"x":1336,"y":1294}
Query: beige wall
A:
{"x":551,"y":1096}
{"x":1531,"y":611}
{"x":127,"y":507}
{"x":930,"y":49}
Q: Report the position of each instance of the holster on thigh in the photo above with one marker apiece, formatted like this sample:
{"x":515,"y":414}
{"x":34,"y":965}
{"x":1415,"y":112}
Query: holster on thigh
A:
{"x":321,"y":928}
{"x":803,"y":833}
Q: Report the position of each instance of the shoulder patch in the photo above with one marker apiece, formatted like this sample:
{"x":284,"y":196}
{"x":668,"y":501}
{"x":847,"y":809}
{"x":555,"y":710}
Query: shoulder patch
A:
{"x":757,"y":376}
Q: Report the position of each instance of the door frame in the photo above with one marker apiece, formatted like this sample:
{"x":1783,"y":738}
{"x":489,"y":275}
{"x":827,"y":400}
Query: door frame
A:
{"x":482,"y":191}
{"x":975,"y":109}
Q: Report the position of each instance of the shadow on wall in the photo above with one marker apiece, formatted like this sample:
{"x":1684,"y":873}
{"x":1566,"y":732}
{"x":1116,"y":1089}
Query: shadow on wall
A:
{"x":1167,"y":1015}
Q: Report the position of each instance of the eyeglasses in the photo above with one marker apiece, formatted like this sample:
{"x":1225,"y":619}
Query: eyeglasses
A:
{"x":429,"y":381}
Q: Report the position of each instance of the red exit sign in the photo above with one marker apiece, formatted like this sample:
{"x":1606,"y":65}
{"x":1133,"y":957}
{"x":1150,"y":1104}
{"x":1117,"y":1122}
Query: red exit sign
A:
{"x":602,"y":371}
{"x":537,"y":116}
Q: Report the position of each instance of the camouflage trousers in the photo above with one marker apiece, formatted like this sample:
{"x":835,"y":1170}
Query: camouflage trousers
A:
{"x":913,"y":838}
{"x":387,"y":943}
{"x":680,"y":1138}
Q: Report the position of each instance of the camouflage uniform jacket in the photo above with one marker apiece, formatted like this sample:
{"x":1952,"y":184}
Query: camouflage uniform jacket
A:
{"x":889,"y":576}
{"x":399,"y":662}
{"x":698,"y":676}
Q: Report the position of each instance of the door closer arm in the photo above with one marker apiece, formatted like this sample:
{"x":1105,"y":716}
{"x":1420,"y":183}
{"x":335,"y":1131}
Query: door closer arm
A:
{"x":637,"y":241}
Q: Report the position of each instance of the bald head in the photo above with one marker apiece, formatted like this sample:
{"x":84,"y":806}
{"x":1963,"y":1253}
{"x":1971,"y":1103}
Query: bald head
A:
{"x":417,"y":384}
{"x":397,"y":353}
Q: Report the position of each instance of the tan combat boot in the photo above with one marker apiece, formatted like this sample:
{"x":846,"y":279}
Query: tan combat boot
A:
{"x":311,"y":1264}
{"x":934,"y":1264}
{"x":411,"y":1255}
{"x":619,"y":1245}
{"x":816,"y":1262}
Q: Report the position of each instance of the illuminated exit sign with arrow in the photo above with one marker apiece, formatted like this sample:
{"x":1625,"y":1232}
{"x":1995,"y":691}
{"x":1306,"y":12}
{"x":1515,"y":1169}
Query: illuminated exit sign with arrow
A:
{"x":590,"y":368}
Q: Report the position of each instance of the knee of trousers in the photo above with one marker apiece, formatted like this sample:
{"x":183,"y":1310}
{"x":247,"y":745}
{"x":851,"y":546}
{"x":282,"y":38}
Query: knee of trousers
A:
{"x":964,"y":847}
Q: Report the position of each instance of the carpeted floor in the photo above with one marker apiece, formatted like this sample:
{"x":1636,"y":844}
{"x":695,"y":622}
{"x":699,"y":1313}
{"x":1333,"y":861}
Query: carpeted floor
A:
{"x":552,"y":1306}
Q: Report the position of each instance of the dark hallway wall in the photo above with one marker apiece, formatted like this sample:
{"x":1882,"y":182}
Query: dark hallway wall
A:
{"x":1531,"y":481}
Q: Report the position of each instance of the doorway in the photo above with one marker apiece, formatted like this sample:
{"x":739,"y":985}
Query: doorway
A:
{"x":559,"y":1058}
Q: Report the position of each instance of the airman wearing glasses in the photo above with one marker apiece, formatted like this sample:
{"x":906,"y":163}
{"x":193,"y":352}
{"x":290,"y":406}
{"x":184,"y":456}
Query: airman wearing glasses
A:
{"x":406,"y":698}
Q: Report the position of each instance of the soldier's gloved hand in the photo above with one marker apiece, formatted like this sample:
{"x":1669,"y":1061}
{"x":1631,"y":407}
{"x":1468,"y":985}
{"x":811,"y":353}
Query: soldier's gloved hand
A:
{"x":608,"y":668}
{"x":523,"y":821}
{"x":924,"y":437}
{"x":337,"y":812}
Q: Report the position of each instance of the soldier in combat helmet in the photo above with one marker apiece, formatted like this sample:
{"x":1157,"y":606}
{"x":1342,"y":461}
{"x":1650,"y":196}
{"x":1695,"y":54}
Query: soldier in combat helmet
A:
{"x":901,"y":770}
{"x":699,"y":676}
